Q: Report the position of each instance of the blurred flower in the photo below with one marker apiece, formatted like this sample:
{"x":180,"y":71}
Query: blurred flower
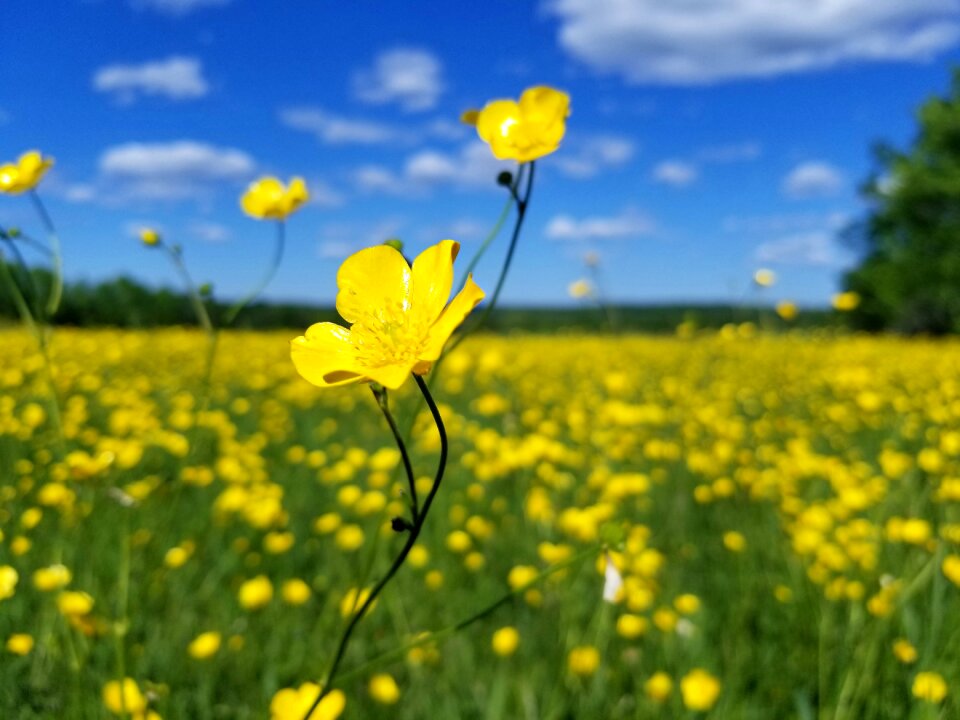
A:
{"x":290,"y":704}
{"x":52,"y":578}
{"x":580,"y":289}
{"x":764,"y":277}
{"x":526,"y":130}
{"x":699,"y":689}
{"x":846,"y":301}
{"x":734,"y":541}
{"x":25,"y":174}
{"x":400,"y":318}
{"x":383,"y":689}
{"x":268,"y":199}
{"x":204,"y":646}
{"x":255,"y":593}
{"x":904,"y":651}
{"x":950,"y":567}
{"x":787,"y":310}
{"x":8,"y":581}
{"x":295,"y":592}
{"x":124,"y":698}
{"x":20,"y":643}
{"x":505,"y":641}
{"x":929,"y":686}
{"x":658,"y":687}
{"x":149,"y":236}
{"x":583,"y":661}
{"x":75,"y":604}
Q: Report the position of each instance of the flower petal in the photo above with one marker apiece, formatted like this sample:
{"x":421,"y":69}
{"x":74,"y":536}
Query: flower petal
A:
{"x":469,"y":117}
{"x":495,"y":125}
{"x":390,"y":376}
{"x":373,"y":282}
{"x":433,"y":279}
{"x":454,"y":314}
{"x":544,"y":104}
{"x":325,"y":356}
{"x":263,"y":198}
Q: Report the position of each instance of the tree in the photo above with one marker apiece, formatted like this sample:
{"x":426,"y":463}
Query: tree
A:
{"x":909,"y":279}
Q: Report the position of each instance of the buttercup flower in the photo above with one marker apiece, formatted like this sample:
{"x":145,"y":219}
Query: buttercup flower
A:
{"x":290,"y":704}
{"x":399,"y":316}
{"x":149,"y":236}
{"x":525,"y":130}
{"x":268,"y":199}
{"x":845,"y":301}
{"x":25,"y":174}
{"x":764,"y":277}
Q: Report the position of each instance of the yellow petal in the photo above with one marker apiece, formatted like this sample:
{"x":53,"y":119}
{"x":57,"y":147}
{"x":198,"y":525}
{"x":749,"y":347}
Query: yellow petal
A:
{"x":297,"y":195}
{"x":469,"y":117}
{"x":372,"y":282}
{"x":544,"y":104}
{"x":390,"y":376}
{"x":454,"y":314}
{"x":433,"y":279}
{"x":496,"y":120}
{"x":9,"y":176}
{"x":32,"y":166}
{"x":263,"y":198}
{"x":325,"y":357}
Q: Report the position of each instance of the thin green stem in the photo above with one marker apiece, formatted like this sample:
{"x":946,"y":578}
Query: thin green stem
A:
{"x":495,"y":230}
{"x":56,"y":290}
{"x":265,"y":280}
{"x":25,"y":272}
{"x":507,"y":597}
{"x":199,"y":309}
{"x":522,"y":204}
{"x":121,"y":623}
{"x":401,"y":556}
{"x":381,"y":395}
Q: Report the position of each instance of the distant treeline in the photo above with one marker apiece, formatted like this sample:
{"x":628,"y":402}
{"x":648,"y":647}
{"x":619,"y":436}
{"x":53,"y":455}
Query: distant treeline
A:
{"x":124,"y":302}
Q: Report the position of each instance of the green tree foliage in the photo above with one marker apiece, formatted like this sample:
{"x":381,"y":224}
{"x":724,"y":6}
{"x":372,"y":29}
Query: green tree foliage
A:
{"x":909,"y":279}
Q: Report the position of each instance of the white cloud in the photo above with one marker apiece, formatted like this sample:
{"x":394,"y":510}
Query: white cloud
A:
{"x":817,"y":248}
{"x":172,"y":170}
{"x":336,"y":130}
{"x":676,"y":173}
{"x":177,"y":7}
{"x":178,"y":78}
{"x":472,"y":166}
{"x":627,"y":224}
{"x":785,"y":223}
{"x":595,"y":154}
{"x":411,"y":77}
{"x":812,"y":179}
{"x":210,"y":232}
{"x":322,"y":194}
{"x":704,"y":41}
{"x":80,"y":193}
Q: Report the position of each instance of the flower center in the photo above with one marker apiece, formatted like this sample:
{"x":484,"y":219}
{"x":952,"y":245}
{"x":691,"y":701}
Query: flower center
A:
{"x":393,"y":335}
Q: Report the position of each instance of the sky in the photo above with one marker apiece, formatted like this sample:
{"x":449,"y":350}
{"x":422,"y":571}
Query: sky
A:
{"x":707,"y":138}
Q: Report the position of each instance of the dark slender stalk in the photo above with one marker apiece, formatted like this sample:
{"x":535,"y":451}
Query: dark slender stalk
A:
{"x":265,"y":280}
{"x":380,"y":393}
{"x":522,"y":204}
{"x":28,"y":281}
{"x":401,"y":557}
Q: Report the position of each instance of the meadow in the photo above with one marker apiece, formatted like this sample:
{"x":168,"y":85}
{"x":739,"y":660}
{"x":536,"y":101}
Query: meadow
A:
{"x":780,"y":508}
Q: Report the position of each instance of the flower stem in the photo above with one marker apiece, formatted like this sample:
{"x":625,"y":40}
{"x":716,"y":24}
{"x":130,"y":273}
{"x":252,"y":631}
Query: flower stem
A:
{"x":380,"y":393}
{"x":199,"y":309}
{"x":268,"y":276}
{"x":56,"y":290}
{"x":522,"y":204}
{"x":401,"y":556}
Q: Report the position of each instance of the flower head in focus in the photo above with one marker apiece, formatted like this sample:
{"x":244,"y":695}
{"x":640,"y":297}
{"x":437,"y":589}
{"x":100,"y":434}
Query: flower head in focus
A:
{"x":25,"y":174}
{"x":399,"y":316}
{"x":524,"y":130}
{"x":268,"y":199}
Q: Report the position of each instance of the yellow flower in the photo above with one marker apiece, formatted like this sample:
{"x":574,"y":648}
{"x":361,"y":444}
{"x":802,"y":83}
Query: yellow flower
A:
{"x":129,"y":699}
{"x":268,"y":199}
{"x":400,"y":318}
{"x":846,"y":301}
{"x":929,"y":686}
{"x":764,"y":277}
{"x":52,"y":578}
{"x":25,"y":174}
{"x":383,"y":688}
{"x":950,"y":567}
{"x":904,"y":651}
{"x":787,"y":310}
{"x":204,"y":646}
{"x":74,"y":603}
{"x":8,"y":581}
{"x":256,"y":593}
{"x":580,"y":289}
{"x":19,"y":644}
{"x":734,"y":541}
{"x":525,"y":130}
{"x":658,"y":687}
{"x":700,"y":690}
{"x":290,"y":704}
{"x":505,"y":641}
{"x":583,"y":660}
{"x":149,"y":236}
{"x":295,"y":592}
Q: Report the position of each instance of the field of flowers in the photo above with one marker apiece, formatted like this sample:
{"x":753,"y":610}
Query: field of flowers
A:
{"x":781,"y":511}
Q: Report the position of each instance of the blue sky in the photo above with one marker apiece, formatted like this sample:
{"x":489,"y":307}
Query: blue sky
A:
{"x":706,"y":139}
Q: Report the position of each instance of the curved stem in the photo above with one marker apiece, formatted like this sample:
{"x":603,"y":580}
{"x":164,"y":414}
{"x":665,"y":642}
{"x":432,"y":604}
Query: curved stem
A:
{"x":25,"y":271}
{"x":522,"y":204}
{"x":56,"y":290}
{"x":199,"y":309}
{"x":265,"y":280}
{"x":495,"y":230}
{"x":381,"y":396}
{"x":401,"y":557}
